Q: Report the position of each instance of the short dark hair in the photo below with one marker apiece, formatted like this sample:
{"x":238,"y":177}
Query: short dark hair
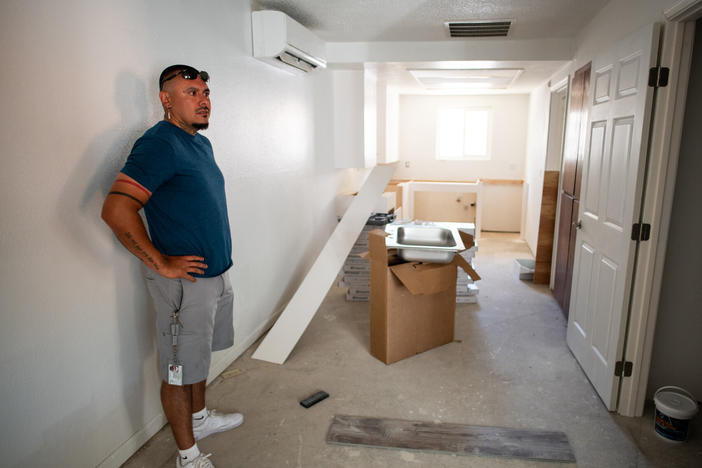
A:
{"x":169,"y":71}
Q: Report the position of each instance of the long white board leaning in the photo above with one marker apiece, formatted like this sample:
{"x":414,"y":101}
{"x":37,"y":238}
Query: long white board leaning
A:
{"x":287,"y":330}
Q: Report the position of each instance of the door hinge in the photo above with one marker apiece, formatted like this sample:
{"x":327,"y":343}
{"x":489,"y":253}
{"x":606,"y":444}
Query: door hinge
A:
{"x":645,"y":231}
{"x":623,"y":367}
{"x":640,"y":231}
{"x":658,"y":77}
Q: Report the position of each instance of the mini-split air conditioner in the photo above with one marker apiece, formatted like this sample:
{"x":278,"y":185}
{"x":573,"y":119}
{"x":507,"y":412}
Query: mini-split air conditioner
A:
{"x":285,"y":43}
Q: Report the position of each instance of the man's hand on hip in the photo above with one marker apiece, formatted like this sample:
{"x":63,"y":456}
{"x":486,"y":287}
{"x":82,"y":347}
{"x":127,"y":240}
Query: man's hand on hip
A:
{"x":182,"y":266}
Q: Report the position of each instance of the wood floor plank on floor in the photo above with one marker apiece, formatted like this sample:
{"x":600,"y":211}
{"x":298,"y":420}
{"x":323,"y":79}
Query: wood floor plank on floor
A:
{"x":461,"y":439}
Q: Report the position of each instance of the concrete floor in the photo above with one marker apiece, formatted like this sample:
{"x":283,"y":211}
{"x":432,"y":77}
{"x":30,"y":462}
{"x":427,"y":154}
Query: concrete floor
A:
{"x":509,"y":367}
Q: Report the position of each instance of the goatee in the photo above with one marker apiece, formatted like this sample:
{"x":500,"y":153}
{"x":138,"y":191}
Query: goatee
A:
{"x":201,"y":126}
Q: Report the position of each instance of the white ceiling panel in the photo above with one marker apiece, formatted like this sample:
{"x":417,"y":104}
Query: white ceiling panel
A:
{"x":423,"y":20}
{"x":524,"y":75}
{"x":465,"y":78}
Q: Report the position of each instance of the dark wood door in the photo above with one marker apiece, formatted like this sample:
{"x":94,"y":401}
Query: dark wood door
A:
{"x":573,"y":156}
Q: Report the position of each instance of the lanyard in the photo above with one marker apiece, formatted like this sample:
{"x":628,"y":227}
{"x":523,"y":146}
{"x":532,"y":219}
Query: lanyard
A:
{"x":175,"y":331}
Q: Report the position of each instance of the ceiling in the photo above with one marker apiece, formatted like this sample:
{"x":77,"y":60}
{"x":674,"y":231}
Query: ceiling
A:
{"x":423,"y":20}
{"x":533,"y":74}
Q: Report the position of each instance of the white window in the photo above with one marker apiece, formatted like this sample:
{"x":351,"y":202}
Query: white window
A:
{"x":463,"y":133}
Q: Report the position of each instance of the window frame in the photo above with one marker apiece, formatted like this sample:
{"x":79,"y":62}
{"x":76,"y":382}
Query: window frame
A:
{"x":465,"y":156}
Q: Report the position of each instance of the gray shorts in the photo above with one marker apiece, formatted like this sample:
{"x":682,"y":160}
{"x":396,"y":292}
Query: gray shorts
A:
{"x":205,"y":310}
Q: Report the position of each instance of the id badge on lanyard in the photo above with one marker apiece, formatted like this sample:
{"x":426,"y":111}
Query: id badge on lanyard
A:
{"x":175,"y":369}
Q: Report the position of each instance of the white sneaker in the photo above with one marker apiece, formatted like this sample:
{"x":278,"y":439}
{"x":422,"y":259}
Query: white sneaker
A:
{"x":201,"y":461}
{"x":215,"y":422}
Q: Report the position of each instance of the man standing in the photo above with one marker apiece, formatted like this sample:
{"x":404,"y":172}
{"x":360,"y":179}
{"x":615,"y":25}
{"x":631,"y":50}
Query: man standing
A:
{"x":172,"y":174}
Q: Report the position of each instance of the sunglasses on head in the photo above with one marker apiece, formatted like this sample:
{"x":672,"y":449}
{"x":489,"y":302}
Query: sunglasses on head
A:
{"x":189,"y":74}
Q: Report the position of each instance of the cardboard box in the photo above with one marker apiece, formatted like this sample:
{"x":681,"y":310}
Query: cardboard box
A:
{"x":413,"y":304}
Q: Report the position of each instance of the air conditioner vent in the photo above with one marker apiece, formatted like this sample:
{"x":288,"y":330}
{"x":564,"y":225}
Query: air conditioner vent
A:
{"x":297,"y":62}
{"x":478,"y":28}
{"x":285,"y":43}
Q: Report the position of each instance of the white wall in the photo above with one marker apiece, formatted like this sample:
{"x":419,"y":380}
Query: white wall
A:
{"x":370,"y":118}
{"x":616,"y":20}
{"x":387,"y":120}
{"x":354,"y":117}
{"x":390,"y":139}
{"x":348,"y":140}
{"x":78,"y":362}
{"x":430,"y":51}
{"x":417,"y":138}
{"x":502,"y":204}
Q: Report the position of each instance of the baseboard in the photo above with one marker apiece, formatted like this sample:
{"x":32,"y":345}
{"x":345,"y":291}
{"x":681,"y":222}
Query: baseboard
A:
{"x":134,"y":443}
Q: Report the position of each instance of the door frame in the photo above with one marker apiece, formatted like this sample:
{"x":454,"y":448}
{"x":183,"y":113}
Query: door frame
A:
{"x":664,"y":148}
{"x":562,"y":86}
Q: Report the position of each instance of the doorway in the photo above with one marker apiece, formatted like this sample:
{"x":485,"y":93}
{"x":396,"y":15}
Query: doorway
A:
{"x":679,"y":324}
{"x":569,"y":196}
{"x":545,"y":245}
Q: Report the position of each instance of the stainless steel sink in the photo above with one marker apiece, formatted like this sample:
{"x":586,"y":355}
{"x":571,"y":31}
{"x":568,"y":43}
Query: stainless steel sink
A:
{"x":424,"y":242}
{"x":426,"y":255}
{"x":430,"y":236}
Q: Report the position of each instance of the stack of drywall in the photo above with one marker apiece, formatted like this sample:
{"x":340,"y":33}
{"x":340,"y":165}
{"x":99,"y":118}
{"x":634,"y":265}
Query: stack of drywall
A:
{"x":355,"y":274}
{"x":466,"y":289}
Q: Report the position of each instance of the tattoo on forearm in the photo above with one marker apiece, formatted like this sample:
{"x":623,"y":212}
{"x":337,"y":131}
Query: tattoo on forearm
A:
{"x":129,"y":239}
{"x":114,"y":192}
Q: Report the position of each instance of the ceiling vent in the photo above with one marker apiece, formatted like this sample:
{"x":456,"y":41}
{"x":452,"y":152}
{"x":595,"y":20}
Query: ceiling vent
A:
{"x":476,"y":28}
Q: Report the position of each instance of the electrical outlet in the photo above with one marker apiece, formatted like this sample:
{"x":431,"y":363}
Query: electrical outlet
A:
{"x":407,"y":164}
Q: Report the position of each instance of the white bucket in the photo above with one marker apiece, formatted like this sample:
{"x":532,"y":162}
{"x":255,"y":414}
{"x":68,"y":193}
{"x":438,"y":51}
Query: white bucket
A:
{"x":675,"y":407}
{"x":525,"y":268}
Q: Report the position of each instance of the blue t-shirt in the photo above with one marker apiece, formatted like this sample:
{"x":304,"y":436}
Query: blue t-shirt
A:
{"x":187,"y":211}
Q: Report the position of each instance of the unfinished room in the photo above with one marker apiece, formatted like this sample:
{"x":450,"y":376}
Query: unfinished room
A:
{"x":457,"y":233}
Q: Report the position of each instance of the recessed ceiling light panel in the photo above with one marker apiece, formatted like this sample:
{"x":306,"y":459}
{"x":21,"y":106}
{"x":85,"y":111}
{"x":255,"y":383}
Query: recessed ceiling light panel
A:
{"x":495,"y":78}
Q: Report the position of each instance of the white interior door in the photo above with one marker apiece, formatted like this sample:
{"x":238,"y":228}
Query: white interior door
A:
{"x":610,"y":198}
